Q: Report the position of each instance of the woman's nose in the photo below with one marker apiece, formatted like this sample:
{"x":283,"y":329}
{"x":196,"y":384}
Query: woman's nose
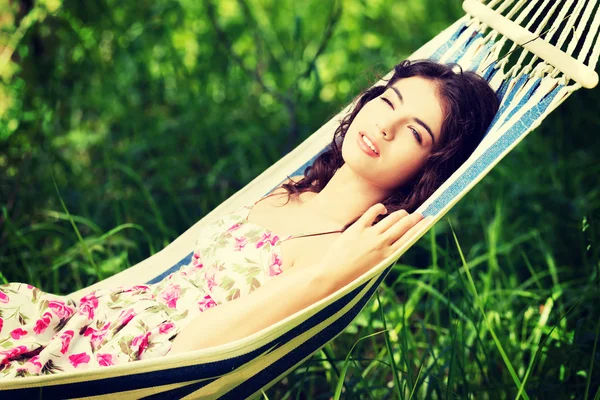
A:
{"x":384,"y":130}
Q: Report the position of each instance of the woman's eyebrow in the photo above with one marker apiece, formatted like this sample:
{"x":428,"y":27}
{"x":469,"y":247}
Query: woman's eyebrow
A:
{"x":417,"y":120}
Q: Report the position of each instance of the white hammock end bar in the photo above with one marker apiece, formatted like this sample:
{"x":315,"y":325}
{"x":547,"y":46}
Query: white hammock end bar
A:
{"x":572,"y":68}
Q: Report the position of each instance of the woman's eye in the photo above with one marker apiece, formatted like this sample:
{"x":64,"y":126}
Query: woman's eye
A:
{"x":387,"y":101}
{"x":416,"y":134}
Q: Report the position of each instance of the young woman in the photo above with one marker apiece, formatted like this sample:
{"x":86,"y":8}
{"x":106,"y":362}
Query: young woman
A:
{"x":392,"y":151}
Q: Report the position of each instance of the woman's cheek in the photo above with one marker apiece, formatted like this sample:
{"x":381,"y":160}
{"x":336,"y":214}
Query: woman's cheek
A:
{"x":403,"y":172}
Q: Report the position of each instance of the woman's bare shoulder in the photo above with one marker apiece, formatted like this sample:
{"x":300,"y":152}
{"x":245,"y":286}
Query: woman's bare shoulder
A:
{"x":280,"y":190}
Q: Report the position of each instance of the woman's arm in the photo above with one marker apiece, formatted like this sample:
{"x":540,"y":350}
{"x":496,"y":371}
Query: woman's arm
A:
{"x":278,"y":298}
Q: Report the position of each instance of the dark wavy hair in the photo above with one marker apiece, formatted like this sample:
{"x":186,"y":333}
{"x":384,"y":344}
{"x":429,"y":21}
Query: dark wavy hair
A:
{"x":469,"y":105}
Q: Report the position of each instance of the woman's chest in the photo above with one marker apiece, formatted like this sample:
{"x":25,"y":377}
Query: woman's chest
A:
{"x":233,"y":258}
{"x":291,"y":222}
{"x":241,"y":251}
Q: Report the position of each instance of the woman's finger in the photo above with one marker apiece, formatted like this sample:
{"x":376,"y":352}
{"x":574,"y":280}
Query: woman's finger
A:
{"x":400,"y":228}
{"x":410,"y":233}
{"x":366,"y":220}
{"x":390,"y":220}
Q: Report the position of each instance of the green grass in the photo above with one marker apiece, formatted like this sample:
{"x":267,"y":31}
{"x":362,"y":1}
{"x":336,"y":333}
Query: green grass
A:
{"x":518,"y":344}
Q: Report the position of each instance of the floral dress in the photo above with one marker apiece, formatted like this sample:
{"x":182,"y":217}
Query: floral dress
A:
{"x":42,"y":333}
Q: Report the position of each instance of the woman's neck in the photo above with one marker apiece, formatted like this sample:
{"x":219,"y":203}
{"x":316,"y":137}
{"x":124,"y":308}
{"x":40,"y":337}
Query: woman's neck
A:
{"x":345,"y":198}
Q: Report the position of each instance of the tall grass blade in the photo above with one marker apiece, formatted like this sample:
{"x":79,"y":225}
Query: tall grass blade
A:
{"x":346,"y":365}
{"x":507,"y":362}
{"x":3,"y":278}
{"x":21,"y":237}
{"x":76,"y":218}
{"x":364,"y":382}
{"x":412,"y":392}
{"x":83,"y":244}
{"x":388,"y":345}
{"x":331,"y":361}
{"x":592,"y":358}
{"x":451,"y":362}
{"x":146,"y":194}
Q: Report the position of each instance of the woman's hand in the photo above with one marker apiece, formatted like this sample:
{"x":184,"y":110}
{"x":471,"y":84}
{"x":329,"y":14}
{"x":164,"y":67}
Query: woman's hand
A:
{"x":364,"y":245}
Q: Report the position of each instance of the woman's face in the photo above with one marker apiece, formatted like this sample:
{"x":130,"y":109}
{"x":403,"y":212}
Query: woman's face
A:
{"x":403,"y":124}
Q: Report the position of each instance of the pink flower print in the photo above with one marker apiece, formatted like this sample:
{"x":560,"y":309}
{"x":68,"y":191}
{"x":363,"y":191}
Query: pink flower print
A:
{"x":104,"y":360}
{"x":33,"y":365}
{"x":42,"y":324}
{"x":262,"y":240}
{"x":66,"y":339}
{"x":141,"y":342}
{"x":136,"y":288}
{"x":126,"y":315}
{"x":97,"y":339}
{"x":166,"y":327}
{"x":267,"y":238}
{"x":89,"y":331}
{"x":4,"y":298}
{"x":234,"y":227}
{"x":206,"y":303}
{"x":240,"y":243}
{"x":106,"y":326}
{"x":8,"y":354}
{"x":90,"y":298}
{"x":275,"y":267}
{"x":79,"y":358}
{"x":17,"y":333}
{"x":210,"y":281}
{"x":35,"y":360}
{"x":1,"y":324}
{"x":171,"y":295}
{"x":60,"y":309}
{"x":87,"y":305}
{"x":274,"y":240}
{"x":29,"y":287}
{"x":196,"y":262}
{"x":97,"y":336}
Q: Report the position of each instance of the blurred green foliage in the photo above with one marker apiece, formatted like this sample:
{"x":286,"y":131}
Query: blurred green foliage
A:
{"x":149,"y":114}
{"x":152,"y":113}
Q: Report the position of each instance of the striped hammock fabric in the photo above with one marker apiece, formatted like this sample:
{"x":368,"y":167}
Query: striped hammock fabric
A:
{"x":543,"y":72}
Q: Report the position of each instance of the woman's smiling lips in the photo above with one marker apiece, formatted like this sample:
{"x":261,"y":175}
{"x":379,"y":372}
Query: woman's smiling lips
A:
{"x":365,"y":147}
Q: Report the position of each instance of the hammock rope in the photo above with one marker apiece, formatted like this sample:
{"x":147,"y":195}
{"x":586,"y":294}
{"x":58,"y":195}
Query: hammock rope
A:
{"x":245,"y":367}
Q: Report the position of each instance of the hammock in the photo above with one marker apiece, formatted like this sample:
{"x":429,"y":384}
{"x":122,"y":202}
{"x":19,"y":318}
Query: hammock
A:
{"x":558,"y":63}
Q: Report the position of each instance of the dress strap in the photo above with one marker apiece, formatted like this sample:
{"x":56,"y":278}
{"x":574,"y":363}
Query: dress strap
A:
{"x":291,"y":236}
{"x":311,"y":234}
